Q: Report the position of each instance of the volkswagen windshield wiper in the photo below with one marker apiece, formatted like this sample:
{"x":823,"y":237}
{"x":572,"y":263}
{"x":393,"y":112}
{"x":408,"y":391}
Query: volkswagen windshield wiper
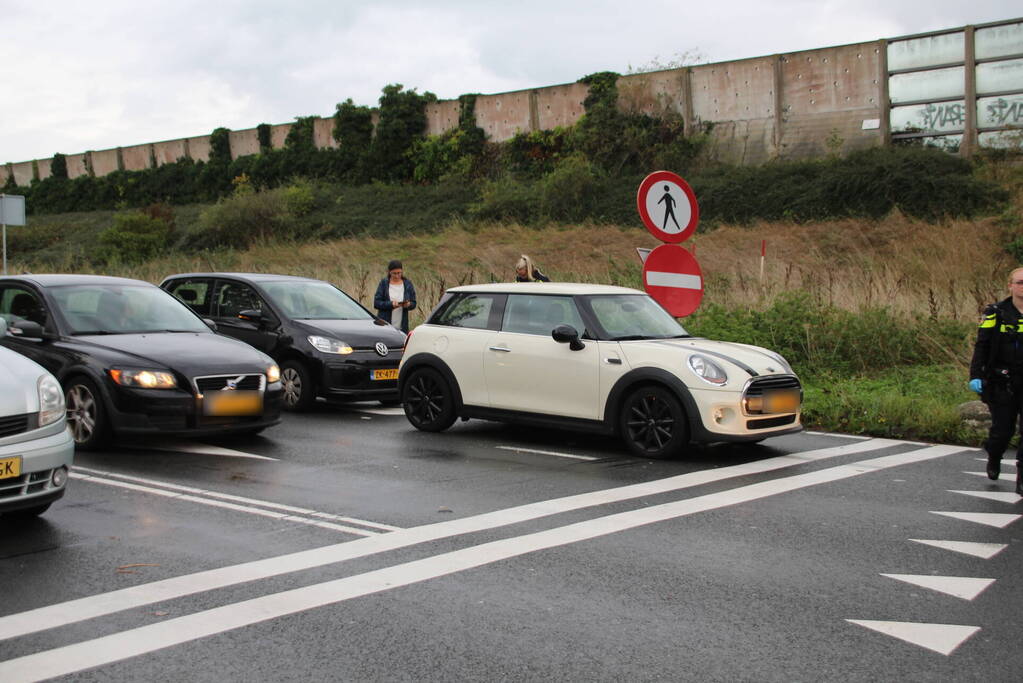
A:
{"x":79,"y":333}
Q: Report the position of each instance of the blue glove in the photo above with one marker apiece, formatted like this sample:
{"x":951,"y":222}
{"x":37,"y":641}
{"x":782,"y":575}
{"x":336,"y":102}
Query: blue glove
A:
{"x":976,"y":385}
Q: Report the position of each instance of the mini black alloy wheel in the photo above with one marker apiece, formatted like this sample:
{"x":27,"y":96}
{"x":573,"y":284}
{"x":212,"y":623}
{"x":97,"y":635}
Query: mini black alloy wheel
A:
{"x":428,"y":401}
{"x":653,"y":423}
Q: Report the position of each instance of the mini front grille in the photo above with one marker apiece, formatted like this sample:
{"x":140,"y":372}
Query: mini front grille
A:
{"x":761,"y":385}
{"x":219,"y":382}
{"x":14,"y":424}
{"x":768,"y":422}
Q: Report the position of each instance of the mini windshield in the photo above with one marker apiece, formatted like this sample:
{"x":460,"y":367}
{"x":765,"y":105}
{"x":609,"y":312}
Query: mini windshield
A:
{"x":123,"y":309}
{"x":625,"y":317}
{"x":314,"y":301}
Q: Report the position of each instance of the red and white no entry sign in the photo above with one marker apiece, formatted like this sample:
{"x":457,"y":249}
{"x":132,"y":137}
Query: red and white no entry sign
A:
{"x":667,"y":206}
{"x":672,"y":276}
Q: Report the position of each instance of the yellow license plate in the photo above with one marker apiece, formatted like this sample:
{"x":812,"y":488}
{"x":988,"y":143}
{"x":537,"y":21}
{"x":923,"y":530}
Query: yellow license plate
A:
{"x":232,"y":403}
{"x":782,"y":402}
{"x":391,"y":373}
{"x":10,"y":467}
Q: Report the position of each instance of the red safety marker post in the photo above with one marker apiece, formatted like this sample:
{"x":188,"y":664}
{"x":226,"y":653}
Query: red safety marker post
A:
{"x":668,"y":207}
{"x":672,"y":276}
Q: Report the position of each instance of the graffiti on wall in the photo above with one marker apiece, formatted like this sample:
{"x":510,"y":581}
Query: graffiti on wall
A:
{"x":1004,"y":112}
{"x":943,"y":116}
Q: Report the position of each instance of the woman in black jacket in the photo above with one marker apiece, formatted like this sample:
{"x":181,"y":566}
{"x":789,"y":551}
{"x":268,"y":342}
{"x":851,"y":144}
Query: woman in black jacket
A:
{"x":395,"y":297}
{"x":525,"y":271}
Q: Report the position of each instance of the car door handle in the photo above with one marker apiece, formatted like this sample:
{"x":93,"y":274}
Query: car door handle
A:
{"x":613,"y":361}
{"x":503,"y":349}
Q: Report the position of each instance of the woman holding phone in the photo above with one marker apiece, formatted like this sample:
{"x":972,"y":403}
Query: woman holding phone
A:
{"x":395,"y":297}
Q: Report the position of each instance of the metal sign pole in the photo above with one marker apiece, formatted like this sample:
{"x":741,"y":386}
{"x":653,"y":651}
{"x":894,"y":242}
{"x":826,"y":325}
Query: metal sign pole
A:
{"x":4,"y":219}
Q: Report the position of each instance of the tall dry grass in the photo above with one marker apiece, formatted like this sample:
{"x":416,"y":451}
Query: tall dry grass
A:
{"x":948,"y":269}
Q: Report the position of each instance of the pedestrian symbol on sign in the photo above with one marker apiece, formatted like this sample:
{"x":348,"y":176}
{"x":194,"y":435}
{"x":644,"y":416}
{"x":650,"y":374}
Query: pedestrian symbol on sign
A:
{"x":669,"y":208}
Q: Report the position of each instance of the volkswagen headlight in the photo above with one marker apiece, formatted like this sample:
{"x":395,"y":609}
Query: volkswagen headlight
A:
{"x":707,"y":370}
{"x":328,"y":345}
{"x":143,"y":379}
{"x":273,"y":374}
{"x":51,"y":400}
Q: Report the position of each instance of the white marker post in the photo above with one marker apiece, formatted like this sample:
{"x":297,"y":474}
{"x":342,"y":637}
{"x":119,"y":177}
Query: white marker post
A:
{"x":12,"y":212}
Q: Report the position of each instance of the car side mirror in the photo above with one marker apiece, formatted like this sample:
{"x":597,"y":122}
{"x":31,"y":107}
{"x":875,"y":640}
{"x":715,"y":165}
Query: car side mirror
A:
{"x":251,"y":315}
{"x":212,"y":324}
{"x":28,"y":329}
{"x":566,"y":334}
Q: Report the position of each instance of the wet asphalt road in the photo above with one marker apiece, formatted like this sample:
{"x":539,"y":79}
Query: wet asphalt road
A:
{"x":344,"y":545}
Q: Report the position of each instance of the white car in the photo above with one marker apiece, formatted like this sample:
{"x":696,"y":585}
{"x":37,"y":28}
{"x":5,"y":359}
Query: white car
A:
{"x":36,"y":447}
{"x":592,"y":357}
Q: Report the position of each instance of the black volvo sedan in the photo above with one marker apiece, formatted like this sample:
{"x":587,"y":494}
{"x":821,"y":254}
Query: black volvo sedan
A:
{"x":325,"y":342}
{"x":133,"y":360}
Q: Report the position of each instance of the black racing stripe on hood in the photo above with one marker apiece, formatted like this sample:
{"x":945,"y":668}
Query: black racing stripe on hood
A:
{"x":733,"y":361}
{"x":753,"y":349}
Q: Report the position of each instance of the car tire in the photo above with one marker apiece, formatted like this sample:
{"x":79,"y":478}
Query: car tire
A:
{"x":299,"y":390}
{"x":86,"y":414}
{"x":28,"y":513}
{"x":428,"y":400}
{"x":652,"y":423}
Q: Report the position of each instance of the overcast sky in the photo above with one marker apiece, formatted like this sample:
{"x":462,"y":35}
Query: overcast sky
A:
{"x":94,"y":75}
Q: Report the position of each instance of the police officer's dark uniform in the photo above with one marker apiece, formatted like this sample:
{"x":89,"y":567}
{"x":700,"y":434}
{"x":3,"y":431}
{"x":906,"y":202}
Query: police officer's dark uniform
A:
{"x":998,"y":363}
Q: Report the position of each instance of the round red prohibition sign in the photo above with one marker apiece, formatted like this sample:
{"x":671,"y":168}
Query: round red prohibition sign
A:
{"x":668,"y":207}
{"x":672,"y":276}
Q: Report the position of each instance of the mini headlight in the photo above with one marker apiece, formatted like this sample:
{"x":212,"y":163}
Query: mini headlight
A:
{"x":143,"y":379}
{"x":273,"y":374}
{"x":51,"y":400}
{"x":707,"y":370}
{"x":328,"y":345}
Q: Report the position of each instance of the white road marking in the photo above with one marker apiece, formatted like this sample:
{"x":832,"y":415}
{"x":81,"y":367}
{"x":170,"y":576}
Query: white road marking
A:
{"x":1009,"y":479}
{"x":965,"y":587}
{"x":995,"y":519}
{"x":656,"y":278}
{"x":237,"y":499}
{"x":390,"y":412}
{"x":983,"y":550}
{"x":940,"y":638}
{"x":115,"y":647}
{"x":1006,"y":462}
{"x":221,"y":504}
{"x":192,"y":447}
{"x":1000,"y":496}
{"x":844,"y":436}
{"x":533,"y":450}
{"x":167,"y":589}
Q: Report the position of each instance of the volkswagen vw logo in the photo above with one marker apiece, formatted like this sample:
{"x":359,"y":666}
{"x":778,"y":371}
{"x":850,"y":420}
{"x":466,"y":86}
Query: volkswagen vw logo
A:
{"x":381,"y":348}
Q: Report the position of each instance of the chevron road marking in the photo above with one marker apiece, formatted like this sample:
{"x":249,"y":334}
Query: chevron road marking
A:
{"x":940,"y":638}
{"x":982,"y":550}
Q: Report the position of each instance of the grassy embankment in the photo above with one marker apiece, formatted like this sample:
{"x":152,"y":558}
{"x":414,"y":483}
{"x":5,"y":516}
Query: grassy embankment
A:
{"x":877,"y":316}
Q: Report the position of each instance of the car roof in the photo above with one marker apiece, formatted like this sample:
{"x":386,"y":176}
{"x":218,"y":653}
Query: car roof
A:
{"x":65,"y":279}
{"x":247,"y":277}
{"x":565,"y":288}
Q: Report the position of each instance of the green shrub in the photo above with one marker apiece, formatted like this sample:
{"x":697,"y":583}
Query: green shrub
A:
{"x":817,"y":338}
{"x":242,"y":220}
{"x":570,"y":191}
{"x":135,"y":237}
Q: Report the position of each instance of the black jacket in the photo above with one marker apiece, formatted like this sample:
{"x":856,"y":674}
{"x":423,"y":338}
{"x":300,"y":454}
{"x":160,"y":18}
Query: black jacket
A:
{"x":999,"y":346}
{"x":382,"y":301}
{"x":537,"y":277}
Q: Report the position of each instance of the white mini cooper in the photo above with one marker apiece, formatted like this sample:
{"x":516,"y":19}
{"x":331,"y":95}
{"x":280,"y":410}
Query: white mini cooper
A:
{"x":591,"y":357}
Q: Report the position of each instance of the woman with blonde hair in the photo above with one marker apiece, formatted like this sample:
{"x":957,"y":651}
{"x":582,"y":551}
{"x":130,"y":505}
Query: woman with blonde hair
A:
{"x":525,"y":271}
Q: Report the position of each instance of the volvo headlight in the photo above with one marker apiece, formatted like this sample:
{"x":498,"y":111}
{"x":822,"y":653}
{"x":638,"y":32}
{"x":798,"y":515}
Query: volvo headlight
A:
{"x":273,"y":374}
{"x":51,"y":400}
{"x":707,"y":370}
{"x":143,"y":379}
{"x":328,"y":345}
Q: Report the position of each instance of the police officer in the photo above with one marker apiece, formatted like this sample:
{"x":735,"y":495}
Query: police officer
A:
{"x":996,"y":373}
